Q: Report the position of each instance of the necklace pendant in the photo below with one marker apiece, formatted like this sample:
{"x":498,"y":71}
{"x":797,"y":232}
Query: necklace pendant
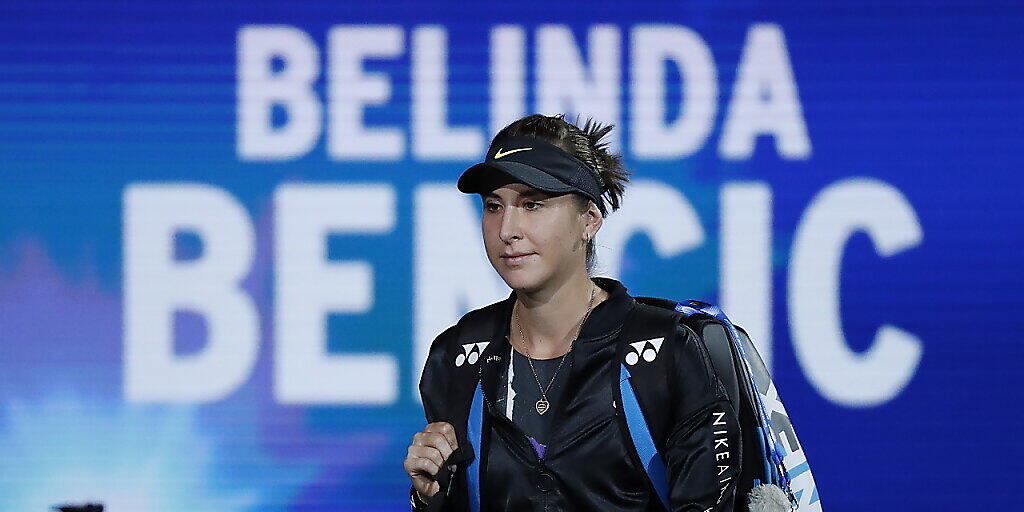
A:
{"x":542,"y":406}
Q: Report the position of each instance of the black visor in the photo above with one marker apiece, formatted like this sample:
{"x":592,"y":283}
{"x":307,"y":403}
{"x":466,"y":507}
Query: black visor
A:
{"x":536,"y":163}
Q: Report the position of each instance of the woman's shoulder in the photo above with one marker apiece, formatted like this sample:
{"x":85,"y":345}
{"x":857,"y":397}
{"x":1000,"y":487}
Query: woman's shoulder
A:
{"x":474,"y":326}
{"x":695,"y":345}
{"x":455,"y":352}
{"x":692,"y":332}
{"x":702,"y":349}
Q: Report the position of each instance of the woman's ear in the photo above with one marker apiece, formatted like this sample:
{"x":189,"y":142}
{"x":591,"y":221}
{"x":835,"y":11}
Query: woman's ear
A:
{"x":592,"y":221}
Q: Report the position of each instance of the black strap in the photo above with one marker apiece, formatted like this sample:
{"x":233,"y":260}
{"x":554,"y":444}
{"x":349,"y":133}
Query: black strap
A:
{"x":445,"y":477}
{"x":716,"y":339}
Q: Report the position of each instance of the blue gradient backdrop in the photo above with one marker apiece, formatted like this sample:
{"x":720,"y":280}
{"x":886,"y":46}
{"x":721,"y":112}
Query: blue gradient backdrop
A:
{"x":95,"y":96}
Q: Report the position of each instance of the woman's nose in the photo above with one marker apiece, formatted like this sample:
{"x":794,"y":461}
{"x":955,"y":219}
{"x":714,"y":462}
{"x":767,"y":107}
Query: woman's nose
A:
{"x":510,"y":227}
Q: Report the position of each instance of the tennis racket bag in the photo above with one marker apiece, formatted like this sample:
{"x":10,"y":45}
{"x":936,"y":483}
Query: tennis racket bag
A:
{"x":772,"y":454}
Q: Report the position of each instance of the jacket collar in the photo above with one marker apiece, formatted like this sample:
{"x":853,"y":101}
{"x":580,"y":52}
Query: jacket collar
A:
{"x":604,"y":323}
{"x":606,"y":317}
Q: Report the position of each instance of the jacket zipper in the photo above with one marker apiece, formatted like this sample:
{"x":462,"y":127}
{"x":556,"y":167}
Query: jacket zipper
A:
{"x":520,"y":435}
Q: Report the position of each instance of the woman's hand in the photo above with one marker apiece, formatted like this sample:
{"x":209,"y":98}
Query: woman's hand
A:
{"x":428,"y":451}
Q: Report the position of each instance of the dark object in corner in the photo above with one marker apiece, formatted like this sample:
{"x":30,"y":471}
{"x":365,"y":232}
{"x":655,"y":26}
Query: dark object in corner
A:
{"x":88,"y":507}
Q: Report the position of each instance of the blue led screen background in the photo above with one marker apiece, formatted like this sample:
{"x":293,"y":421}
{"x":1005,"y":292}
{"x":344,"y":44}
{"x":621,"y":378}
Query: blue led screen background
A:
{"x":228,"y":232}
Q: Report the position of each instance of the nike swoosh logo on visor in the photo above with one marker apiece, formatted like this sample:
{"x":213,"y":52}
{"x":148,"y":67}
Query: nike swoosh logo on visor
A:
{"x":498,"y":154}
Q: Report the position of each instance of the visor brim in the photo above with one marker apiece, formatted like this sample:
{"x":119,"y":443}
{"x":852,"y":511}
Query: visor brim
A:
{"x":476,"y":179}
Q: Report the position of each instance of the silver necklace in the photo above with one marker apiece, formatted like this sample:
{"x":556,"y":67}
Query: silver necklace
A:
{"x":542,"y":405}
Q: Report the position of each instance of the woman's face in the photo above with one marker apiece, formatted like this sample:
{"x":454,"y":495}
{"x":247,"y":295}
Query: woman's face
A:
{"x":532,"y":236}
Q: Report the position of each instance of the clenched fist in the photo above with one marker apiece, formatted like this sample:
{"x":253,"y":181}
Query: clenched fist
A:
{"x":428,"y":451}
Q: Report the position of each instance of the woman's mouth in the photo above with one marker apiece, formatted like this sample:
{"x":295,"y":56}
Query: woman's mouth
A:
{"x":517,"y":259}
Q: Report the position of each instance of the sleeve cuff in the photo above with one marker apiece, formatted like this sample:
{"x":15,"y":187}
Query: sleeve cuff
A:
{"x":414,"y":500}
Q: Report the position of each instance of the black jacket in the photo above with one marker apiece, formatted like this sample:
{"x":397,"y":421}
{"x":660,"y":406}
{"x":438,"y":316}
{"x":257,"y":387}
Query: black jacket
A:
{"x":589,"y":464}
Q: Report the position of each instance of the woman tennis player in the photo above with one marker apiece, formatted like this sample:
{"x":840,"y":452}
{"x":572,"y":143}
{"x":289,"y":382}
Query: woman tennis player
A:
{"x":522,"y":396}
